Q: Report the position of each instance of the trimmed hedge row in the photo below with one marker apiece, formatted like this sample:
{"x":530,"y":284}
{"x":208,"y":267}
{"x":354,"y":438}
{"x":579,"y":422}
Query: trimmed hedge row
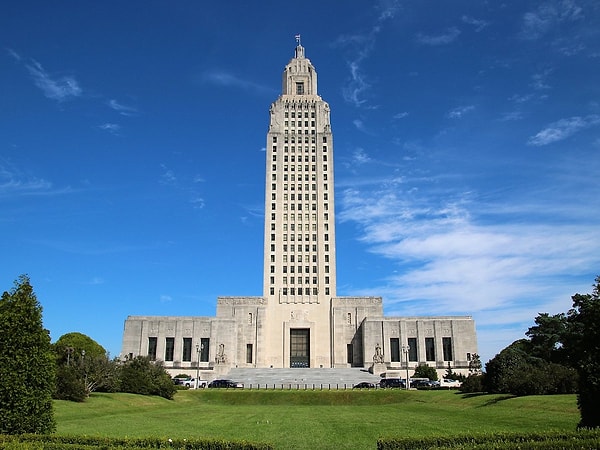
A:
{"x":59,"y":442}
{"x":581,"y":439}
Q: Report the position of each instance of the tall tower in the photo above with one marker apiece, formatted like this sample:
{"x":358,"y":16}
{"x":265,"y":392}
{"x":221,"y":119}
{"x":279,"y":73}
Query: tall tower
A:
{"x":299,"y":241}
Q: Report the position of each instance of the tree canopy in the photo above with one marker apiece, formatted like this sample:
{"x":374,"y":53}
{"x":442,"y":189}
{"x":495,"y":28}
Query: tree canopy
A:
{"x":27,"y":364}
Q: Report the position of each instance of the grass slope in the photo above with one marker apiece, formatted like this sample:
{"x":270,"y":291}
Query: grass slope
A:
{"x":313,"y":419}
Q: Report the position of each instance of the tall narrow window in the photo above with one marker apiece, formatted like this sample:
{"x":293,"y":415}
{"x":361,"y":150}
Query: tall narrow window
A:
{"x":412,"y":349}
{"x":447,"y":348}
{"x":204,"y":349}
{"x":350,"y":353}
{"x":187,"y":349}
{"x":152,"y":348}
{"x":429,"y":349}
{"x":299,"y":88}
{"x":249,"y":353}
{"x":169,"y":348}
{"x":395,"y":350}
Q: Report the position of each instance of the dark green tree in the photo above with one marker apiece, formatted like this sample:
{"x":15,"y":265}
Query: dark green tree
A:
{"x":82,"y":364}
{"x":424,"y":371}
{"x":27,"y":364}
{"x":141,"y":375}
{"x":582,"y":345}
{"x":546,"y":337}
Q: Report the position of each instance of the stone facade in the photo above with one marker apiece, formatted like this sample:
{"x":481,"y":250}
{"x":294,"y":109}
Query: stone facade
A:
{"x":300,"y":321}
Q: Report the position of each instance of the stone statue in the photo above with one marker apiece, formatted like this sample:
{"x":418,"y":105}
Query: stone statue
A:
{"x":221,"y":357}
{"x":378,"y":357}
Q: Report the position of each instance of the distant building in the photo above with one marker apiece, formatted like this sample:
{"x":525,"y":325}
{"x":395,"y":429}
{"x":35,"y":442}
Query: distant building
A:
{"x":300,"y":321}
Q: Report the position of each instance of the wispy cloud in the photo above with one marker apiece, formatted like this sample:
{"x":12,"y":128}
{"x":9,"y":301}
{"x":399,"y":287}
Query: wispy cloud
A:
{"x":226,"y":79}
{"x":539,"y":80}
{"x":124,"y":110}
{"x":451,"y":262}
{"x":60,"y":88}
{"x":447,"y":37}
{"x":460,"y":111}
{"x":479,"y":24}
{"x":167,"y":176}
{"x":401,"y":115}
{"x":15,"y":182}
{"x":562,"y":129}
{"x":548,"y":16}
{"x":359,"y":156}
{"x":14,"y":54}
{"x":112,"y":128}
{"x":359,"y":46}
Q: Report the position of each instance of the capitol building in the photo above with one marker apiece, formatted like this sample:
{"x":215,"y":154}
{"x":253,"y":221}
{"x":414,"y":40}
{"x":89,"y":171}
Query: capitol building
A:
{"x":300,"y":321}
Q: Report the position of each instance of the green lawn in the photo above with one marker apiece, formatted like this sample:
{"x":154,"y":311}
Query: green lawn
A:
{"x":313,"y":419}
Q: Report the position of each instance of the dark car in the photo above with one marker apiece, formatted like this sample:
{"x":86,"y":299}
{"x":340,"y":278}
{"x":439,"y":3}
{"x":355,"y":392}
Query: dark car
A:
{"x":225,"y":384}
{"x":392,"y":383}
{"x":364,"y":385}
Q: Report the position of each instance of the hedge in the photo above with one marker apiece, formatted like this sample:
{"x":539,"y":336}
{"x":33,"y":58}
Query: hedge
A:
{"x":546,"y":440}
{"x":60,"y":442}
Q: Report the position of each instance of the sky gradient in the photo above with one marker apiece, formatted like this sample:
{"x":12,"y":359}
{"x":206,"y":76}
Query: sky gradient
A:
{"x":466,"y":148}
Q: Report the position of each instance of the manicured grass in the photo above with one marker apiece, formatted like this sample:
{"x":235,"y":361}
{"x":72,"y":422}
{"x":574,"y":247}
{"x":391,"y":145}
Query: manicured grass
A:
{"x":313,"y":419}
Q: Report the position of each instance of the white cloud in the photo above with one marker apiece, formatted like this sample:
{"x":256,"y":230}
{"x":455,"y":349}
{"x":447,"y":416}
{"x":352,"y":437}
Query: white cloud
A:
{"x":124,"y":110}
{"x":112,"y":128}
{"x":562,"y":129}
{"x":56,"y":88}
{"x":360,"y":157}
{"x":449,"y":36}
{"x":460,"y":111}
{"x":401,"y":115}
{"x":166,"y":298}
{"x":222,"y":78}
{"x":479,"y":24}
{"x":444,"y":261}
{"x":548,"y":16}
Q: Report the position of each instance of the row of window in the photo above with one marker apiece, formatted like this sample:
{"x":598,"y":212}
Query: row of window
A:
{"x":292,"y":149}
{"x":298,"y":291}
{"x":202,"y":349}
{"x":287,"y":158}
{"x":294,"y":248}
{"x":306,"y":139}
{"x":412,"y":350}
{"x":292,"y":187}
{"x":292,"y":280}
{"x":292,"y":269}
{"x":292,"y":177}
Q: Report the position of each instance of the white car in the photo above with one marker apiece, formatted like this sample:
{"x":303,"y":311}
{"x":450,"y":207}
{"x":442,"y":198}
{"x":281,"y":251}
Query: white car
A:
{"x":450,"y":383}
{"x":191,"y":383}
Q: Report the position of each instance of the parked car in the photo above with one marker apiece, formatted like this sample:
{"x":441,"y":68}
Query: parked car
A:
{"x":450,"y":383}
{"x":364,"y":385}
{"x":191,"y":383}
{"x":392,"y":383}
{"x":225,"y":384}
{"x":422,"y":384}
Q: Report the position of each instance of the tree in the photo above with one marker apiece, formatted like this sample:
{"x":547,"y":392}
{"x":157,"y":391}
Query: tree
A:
{"x":27,"y":364}
{"x":582,"y":345}
{"x":141,"y":375}
{"x":424,"y":371}
{"x":475,"y":364}
{"x":546,"y":337}
{"x":83,"y":367}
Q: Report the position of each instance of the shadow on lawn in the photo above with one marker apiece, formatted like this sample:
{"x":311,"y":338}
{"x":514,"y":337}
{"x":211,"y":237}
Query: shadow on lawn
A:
{"x":491,"y":401}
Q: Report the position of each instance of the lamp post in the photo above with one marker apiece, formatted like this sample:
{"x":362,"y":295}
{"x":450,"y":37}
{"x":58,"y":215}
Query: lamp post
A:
{"x":405,"y":350}
{"x":199,"y":348}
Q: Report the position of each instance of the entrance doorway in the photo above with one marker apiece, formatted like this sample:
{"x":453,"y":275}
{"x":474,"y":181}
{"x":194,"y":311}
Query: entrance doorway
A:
{"x":299,"y":347}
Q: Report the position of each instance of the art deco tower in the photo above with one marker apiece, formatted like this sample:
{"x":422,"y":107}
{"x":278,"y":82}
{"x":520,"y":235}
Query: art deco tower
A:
{"x":299,"y":252}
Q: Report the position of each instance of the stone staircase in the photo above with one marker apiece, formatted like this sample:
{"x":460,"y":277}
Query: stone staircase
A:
{"x":301,"y":378}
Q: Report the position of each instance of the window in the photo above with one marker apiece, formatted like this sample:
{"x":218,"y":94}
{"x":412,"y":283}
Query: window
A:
{"x":350,"y":353}
{"x":204,"y":348}
{"x":249,"y":353}
{"x":447,"y":348}
{"x":429,"y":349}
{"x":395,"y":349}
{"x":412,"y":349}
{"x":152,"y":348}
{"x":187,"y":349}
{"x":349,"y":319}
{"x":169,"y":347}
{"x":299,"y":88}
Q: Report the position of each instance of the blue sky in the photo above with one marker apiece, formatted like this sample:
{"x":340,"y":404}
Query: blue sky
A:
{"x":466,"y":141}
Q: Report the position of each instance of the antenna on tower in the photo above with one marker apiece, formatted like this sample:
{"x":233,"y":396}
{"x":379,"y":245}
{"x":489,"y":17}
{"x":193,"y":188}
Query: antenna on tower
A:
{"x":298,"y":39}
